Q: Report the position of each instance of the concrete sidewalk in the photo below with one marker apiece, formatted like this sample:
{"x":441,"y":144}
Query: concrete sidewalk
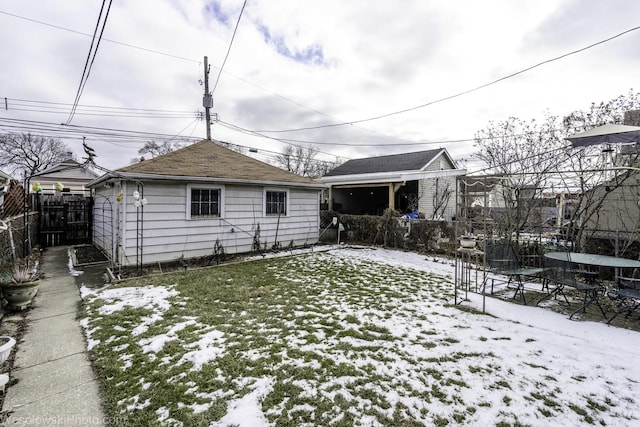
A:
{"x":56,"y":384}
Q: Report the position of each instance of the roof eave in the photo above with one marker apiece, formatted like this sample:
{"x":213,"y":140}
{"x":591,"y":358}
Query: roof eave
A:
{"x":378,"y":178}
{"x":125,"y":176}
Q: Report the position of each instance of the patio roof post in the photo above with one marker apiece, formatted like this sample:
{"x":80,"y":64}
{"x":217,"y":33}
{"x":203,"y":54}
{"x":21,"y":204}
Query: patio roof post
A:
{"x":330,"y":197}
{"x":392,"y":196}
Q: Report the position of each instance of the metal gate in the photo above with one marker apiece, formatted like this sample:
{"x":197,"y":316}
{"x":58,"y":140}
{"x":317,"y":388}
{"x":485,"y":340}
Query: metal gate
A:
{"x":64,"y":220}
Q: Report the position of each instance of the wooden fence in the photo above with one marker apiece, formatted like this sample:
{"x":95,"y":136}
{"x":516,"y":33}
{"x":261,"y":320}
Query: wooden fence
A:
{"x":15,"y":243}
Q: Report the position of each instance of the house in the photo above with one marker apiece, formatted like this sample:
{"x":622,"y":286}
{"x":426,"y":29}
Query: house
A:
{"x":198,"y":199}
{"x":68,"y":176}
{"x":613,"y":210}
{"x":423,"y":181}
{"x":5,"y":181}
{"x":509,"y":203}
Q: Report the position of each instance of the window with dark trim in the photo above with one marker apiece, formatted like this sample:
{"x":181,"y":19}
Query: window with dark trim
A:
{"x":275,"y":203}
{"x":205,"y":202}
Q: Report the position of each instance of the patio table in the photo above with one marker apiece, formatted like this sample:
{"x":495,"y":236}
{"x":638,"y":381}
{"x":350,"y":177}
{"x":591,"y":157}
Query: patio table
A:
{"x":590,"y":289}
{"x":594,"y":259}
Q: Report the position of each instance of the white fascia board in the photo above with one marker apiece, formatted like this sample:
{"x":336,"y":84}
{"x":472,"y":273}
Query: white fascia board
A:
{"x":153,"y":177}
{"x":381,"y":178}
{"x":363,"y":178}
{"x":444,"y":173}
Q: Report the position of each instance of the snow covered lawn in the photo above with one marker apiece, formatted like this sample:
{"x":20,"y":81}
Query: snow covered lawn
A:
{"x":350,"y":337}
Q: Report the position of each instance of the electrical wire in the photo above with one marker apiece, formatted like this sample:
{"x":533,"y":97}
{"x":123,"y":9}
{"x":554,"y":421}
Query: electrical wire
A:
{"x":311,"y":109}
{"x":91,"y":56}
{"x":459,"y":94}
{"x":257,"y":133}
{"x":103,"y":39}
{"x":100,"y":107}
{"x":233,"y":36}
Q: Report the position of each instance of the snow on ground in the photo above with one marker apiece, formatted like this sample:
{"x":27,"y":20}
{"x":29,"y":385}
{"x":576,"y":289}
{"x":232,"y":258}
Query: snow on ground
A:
{"x":513,"y":364}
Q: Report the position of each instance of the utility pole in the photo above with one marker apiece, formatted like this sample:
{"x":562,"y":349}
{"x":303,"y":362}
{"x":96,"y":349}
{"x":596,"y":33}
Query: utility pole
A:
{"x":207,"y":99}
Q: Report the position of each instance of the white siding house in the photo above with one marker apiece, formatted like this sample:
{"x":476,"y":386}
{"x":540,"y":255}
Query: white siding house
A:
{"x":180,"y":204}
{"x":423,"y":181}
{"x":72,"y":175}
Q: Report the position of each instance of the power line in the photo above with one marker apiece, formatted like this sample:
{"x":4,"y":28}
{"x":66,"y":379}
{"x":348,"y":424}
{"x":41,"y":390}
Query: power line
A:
{"x":65,"y":130}
{"x":102,"y":114}
{"x":256,"y":133}
{"x":233,"y":36}
{"x":194,"y":61}
{"x":104,"y":39}
{"x":465,"y":92}
{"x":30,"y":101}
{"x":91,"y":56}
{"x":392,"y":144}
{"x":249,"y":132}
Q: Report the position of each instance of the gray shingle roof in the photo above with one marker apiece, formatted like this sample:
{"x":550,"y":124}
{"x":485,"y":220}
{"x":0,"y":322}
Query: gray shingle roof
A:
{"x":393,"y":163}
{"x":68,"y":170}
{"x":207,"y":159}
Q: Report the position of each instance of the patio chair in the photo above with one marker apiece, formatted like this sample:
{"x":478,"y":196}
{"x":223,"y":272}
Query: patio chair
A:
{"x":502,"y":259}
{"x":554,"y":271}
{"x":626,"y":296}
{"x":562,"y":274}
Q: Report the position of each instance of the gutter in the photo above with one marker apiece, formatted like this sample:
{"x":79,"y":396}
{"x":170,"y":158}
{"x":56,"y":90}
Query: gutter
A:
{"x":173,"y":178}
{"x":385,"y":178}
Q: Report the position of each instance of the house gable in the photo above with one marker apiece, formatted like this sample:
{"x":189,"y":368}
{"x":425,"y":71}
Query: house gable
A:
{"x":385,"y":164}
{"x":202,"y":195}
{"x":71,"y":174}
{"x":402,"y":182}
{"x":209,"y":159}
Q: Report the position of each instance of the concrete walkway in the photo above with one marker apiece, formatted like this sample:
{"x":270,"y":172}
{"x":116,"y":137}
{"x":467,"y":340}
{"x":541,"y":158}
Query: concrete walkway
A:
{"x":56,"y":384}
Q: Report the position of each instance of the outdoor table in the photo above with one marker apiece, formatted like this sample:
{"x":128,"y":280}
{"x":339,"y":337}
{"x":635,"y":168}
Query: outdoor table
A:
{"x":590,"y":289}
{"x":594,"y":259}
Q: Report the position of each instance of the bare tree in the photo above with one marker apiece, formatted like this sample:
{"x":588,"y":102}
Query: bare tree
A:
{"x":27,"y":153}
{"x":441,"y":196}
{"x":528,"y":157}
{"x":301,"y":160}
{"x":297,"y":159}
{"x":153,"y":149}
{"x":521,"y":154}
{"x":595,"y":173}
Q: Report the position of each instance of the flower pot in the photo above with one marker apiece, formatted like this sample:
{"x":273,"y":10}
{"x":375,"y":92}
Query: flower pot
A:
{"x":19,"y":295}
{"x":468,"y":242}
{"x":6,"y":344}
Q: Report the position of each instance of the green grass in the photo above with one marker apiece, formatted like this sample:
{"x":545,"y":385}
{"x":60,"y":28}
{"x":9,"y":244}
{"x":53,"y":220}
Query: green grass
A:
{"x":325,"y":339}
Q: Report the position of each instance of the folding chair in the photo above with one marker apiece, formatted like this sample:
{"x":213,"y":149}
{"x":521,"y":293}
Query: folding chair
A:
{"x":563,"y":275}
{"x":627,"y":297}
{"x":553,"y":274}
{"x":502,"y":259}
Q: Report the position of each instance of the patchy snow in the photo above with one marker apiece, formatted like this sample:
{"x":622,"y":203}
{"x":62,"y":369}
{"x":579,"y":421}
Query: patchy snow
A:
{"x":150,"y":297}
{"x":247,"y":411}
{"x":516,"y":365}
{"x":156,"y":343}
{"x":207,"y":348}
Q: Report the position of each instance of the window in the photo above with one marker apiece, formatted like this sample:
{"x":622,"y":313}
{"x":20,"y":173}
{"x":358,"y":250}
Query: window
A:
{"x":275,"y":202}
{"x":205,"y":202}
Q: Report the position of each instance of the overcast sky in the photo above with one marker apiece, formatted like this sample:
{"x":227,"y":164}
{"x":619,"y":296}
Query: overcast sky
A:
{"x":298,"y":64}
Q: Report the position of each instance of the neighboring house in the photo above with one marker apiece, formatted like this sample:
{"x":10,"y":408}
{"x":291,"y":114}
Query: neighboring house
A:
{"x":424,"y":181}
{"x":483,"y":191}
{"x":497,"y":198}
{"x":618,"y":214}
{"x":5,"y":183}
{"x":181,"y":203}
{"x":72,"y":175}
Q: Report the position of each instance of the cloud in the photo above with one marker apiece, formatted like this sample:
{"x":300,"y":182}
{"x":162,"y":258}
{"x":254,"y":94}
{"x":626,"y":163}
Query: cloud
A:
{"x":300,"y":64}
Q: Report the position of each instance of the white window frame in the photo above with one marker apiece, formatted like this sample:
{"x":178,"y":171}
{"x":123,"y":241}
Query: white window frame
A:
{"x":204,"y":187}
{"x":275,"y":190}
